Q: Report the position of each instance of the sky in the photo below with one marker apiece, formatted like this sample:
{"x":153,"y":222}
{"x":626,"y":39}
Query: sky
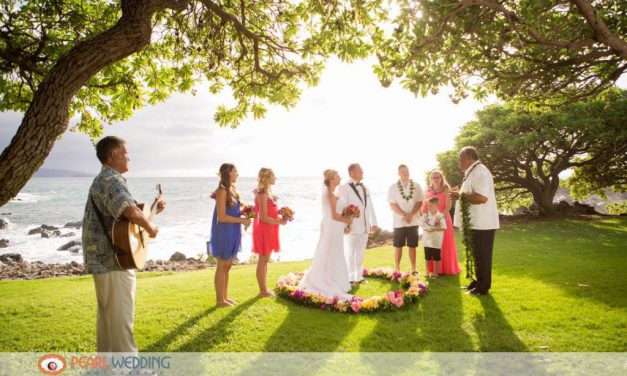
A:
{"x":349,"y":117}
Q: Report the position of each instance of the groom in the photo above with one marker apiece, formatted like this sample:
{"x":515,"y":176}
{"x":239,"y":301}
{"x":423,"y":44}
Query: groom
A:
{"x":355,"y":193}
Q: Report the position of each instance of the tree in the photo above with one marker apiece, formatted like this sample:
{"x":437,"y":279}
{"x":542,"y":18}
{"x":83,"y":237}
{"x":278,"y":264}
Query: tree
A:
{"x":98,"y":61}
{"x":529,"y":50}
{"x":527,"y":150}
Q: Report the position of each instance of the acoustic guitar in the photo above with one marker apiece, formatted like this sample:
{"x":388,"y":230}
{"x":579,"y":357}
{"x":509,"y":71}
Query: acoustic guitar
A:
{"x":131,"y":239}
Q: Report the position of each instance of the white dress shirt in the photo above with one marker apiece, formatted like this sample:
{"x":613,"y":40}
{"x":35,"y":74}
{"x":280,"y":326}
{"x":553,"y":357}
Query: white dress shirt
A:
{"x":395,"y":197}
{"x":482,"y":216}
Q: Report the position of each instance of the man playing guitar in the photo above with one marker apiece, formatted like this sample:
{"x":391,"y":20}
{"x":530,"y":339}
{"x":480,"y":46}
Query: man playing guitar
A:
{"x":109,"y":199}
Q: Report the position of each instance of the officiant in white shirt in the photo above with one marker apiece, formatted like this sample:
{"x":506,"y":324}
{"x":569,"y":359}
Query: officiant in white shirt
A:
{"x":478,"y":190}
{"x":356,"y":193}
{"x":405,"y":198}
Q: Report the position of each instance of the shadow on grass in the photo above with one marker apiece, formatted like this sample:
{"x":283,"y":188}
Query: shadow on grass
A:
{"x":433,"y":324}
{"x":583,"y":259}
{"x":303,"y":330}
{"x":494,"y":331}
{"x":306,"y":329}
{"x":216,"y":334}
{"x":165,"y":341}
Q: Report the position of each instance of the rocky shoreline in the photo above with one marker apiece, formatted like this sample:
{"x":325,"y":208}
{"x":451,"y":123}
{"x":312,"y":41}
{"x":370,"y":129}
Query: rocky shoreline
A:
{"x":13,"y":266}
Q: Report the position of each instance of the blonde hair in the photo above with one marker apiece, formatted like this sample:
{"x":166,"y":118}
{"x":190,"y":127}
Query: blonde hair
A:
{"x":263,"y":179}
{"x":444,"y":185}
{"x":328,"y":175}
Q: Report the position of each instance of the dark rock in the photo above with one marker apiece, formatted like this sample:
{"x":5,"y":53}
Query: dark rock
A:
{"x":178,"y":256}
{"x":75,"y":249}
{"x":5,"y":213}
{"x":522,"y":210}
{"x":4,"y":243}
{"x":75,"y":264}
{"x":49,"y":228}
{"x":50,"y":234}
{"x":78,"y":224}
{"x":562,"y":207}
{"x":35,"y":231}
{"x":69,"y":245}
{"x":13,"y":257}
{"x":380,"y":238}
{"x":3,"y":224}
{"x":68,"y":235}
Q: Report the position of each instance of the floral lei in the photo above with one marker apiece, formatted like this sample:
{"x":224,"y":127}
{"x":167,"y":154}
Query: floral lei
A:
{"x":467,"y":240}
{"x":411,"y":290}
{"x":411,"y":190}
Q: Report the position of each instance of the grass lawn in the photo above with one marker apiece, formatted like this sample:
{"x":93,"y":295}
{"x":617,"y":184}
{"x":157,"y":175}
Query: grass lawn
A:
{"x":557,"y":286}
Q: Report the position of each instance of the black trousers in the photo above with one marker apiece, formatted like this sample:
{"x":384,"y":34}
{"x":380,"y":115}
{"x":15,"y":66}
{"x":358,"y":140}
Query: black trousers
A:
{"x":484,"y":242}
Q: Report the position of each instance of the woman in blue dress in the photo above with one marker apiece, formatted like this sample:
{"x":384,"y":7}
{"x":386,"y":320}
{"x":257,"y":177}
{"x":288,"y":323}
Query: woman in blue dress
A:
{"x":226,"y":231}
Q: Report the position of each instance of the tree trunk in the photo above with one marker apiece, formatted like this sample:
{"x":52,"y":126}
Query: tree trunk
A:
{"x":543,"y":196}
{"x":48,"y":115}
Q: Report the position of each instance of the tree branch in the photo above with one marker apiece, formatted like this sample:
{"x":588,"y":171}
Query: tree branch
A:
{"x":601,"y":31}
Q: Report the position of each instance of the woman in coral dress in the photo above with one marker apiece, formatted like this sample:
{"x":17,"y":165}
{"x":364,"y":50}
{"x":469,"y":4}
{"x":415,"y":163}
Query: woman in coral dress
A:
{"x":265,"y":227}
{"x":438,"y":187}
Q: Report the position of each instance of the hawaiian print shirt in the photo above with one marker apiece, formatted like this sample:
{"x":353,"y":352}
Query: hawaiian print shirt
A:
{"x":112,"y":197}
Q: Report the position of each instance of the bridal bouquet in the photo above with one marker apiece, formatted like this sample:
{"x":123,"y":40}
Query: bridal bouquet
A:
{"x":351,"y":211}
{"x":286,"y":213}
{"x":247,"y":211}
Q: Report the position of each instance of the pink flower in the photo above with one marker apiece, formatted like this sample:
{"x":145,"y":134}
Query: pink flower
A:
{"x":390,"y":295}
{"x":398,"y":302}
{"x":356,"y":305}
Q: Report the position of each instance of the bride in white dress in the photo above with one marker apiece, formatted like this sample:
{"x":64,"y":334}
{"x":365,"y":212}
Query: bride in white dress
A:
{"x":328,"y":275}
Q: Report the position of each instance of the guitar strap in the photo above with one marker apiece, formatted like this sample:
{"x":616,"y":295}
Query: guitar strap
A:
{"x":118,"y":252}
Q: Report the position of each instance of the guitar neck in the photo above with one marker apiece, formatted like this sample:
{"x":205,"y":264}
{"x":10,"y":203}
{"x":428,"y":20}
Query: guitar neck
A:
{"x":154,"y":207}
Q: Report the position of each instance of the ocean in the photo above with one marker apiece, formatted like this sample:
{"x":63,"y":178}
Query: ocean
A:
{"x":185,"y":224}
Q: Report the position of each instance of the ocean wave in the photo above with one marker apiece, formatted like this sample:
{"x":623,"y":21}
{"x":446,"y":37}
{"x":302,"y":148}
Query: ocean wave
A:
{"x":28,"y":198}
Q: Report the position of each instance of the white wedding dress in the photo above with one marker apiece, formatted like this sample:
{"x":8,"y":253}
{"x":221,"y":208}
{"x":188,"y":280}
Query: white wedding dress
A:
{"x":328,"y":275}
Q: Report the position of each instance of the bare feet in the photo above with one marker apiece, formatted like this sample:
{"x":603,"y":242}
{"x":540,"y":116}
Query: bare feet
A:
{"x":222,"y":304}
{"x":230,"y":301}
{"x":267,"y":294}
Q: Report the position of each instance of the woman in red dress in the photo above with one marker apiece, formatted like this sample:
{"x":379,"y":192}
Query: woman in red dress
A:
{"x":265,"y":227}
{"x":438,"y":187}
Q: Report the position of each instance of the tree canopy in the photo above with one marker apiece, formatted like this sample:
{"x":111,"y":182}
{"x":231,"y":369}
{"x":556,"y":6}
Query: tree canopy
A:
{"x":98,"y":61}
{"x":530,"y":50}
{"x":527,"y":150}
{"x":264,"y":51}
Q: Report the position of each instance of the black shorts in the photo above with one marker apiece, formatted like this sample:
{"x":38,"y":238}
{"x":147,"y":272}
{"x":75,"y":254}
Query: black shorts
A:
{"x":433,"y":253}
{"x":406,"y":236}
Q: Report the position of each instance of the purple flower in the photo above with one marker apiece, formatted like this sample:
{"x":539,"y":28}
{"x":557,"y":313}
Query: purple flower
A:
{"x":324,"y":307}
{"x":299,"y":294}
{"x":364,"y":272}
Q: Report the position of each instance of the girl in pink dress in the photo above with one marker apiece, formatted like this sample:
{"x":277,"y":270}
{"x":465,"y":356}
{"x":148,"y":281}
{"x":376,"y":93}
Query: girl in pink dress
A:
{"x":265,"y":227}
{"x":438,"y":187}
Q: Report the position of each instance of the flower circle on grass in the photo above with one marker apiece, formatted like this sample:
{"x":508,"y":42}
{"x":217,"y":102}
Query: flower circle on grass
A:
{"x":411,"y":290}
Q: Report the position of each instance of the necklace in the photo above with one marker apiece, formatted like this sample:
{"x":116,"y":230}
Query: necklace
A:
{"x":411,"y":190}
